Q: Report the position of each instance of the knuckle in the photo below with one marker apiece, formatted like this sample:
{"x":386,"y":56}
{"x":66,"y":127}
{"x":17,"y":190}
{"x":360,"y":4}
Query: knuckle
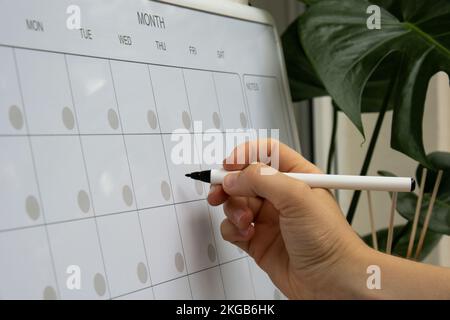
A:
{"x":273,"y":143}
{"x":295,"y":195}
{"x":226,"y":207}
{"x":231,"y":205}
{"x":240,"y":153}
{"x":301,"y":187}
{"x":253,"y":172}
{"x":299,"y":190}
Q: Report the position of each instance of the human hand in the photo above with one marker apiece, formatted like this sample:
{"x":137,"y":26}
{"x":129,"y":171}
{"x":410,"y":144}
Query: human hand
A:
{"x":297,"y":234}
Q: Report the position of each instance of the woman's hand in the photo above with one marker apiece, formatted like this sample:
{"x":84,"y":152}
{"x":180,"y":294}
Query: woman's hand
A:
{"x":299,"y":236}
{"x":296,"y":234}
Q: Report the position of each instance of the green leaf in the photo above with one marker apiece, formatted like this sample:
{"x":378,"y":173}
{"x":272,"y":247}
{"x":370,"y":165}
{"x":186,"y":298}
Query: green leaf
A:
{"x":305,"y":84}
{"x":308,"y":2}
{"x":401,"y":247}
{"x":345,"y":54}
{"x":406,"y":202}
{"x":303,"y":80}
{"x":372,"y":98}
{"x":393,"y":6}
{"x":386,"y":173}
{"x":440,"y":217}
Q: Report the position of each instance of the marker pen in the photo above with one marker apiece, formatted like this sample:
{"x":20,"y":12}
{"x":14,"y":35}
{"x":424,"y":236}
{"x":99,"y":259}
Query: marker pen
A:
{"x":327,"y":181}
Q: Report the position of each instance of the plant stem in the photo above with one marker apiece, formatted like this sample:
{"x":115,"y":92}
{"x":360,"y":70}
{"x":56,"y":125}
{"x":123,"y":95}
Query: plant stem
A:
{"x":332,"y":150}
{"x":365,"y":167}
{"x":370,"y":150}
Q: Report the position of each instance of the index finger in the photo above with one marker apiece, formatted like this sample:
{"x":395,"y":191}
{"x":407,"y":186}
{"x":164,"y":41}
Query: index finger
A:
{"x":266,"y":151}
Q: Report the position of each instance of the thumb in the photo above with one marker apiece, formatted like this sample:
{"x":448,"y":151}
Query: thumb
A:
{"x":259,"y":180}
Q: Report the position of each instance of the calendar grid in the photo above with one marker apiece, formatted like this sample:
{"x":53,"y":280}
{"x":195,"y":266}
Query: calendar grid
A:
{"x":176,"y":217}
{"x":87,"y":177}
{"x":209,"y":211}
{"x":131,"y":176}
{"x":57,"y":291}
{"x":136,"y":209}
{"x":218,"y":103}
{"x":131,"y":61}
{"x":219,"y":265}
{"x":171,"y":184}
{"x":109,"y":134}
{"x":102,"y":215}
{"x":250,"y":120}
{"x":215,"y":246}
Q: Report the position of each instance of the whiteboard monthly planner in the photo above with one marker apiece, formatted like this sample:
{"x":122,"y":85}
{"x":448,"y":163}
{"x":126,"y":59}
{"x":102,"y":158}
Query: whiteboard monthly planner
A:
{"x":92,"y":207}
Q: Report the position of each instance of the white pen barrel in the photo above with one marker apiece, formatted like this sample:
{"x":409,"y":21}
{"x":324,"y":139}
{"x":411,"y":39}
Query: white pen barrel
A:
{"x":347,"y":182}
{"x":217,"y":175}
{"x":342,"y":182}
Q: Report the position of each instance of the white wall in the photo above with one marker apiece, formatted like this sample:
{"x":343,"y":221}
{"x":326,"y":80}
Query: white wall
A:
{"x":283,"y":11}
{"x":440,"y":96}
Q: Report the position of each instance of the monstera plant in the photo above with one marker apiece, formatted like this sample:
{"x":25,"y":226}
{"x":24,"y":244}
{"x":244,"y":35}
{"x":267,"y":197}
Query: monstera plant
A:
{"x":376,"y":56}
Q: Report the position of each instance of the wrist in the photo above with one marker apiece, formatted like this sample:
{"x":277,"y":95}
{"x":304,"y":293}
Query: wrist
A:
{"x":347,"y":277}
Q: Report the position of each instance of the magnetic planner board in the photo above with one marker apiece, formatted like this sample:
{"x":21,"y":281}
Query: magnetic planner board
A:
{"x":92,"y":205}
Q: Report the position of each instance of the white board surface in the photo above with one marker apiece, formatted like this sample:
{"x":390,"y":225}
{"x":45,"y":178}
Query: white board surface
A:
{"x":86,"y":179}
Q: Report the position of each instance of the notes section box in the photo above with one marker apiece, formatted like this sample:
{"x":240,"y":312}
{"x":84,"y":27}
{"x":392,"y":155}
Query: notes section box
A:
{"x":265,"y":103}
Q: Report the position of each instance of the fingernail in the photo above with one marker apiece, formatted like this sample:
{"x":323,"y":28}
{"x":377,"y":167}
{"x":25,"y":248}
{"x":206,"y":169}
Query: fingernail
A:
{"x":213,"y":188}
{"x":238,"y":216}
{"x":229,"y":159}
{"x":245,"y":232}
{"x":230,"y":180}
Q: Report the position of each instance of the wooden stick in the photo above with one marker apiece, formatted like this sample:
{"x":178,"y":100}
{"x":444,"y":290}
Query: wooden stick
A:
{"x":391,"y":224}
{"x":428,"y":215}
{"x":417,"y":214}
{"x":372,"y":221}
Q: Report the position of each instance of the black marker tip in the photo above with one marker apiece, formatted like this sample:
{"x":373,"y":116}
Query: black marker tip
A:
{"x":413,"y":184}
{"x":204,"y":176}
